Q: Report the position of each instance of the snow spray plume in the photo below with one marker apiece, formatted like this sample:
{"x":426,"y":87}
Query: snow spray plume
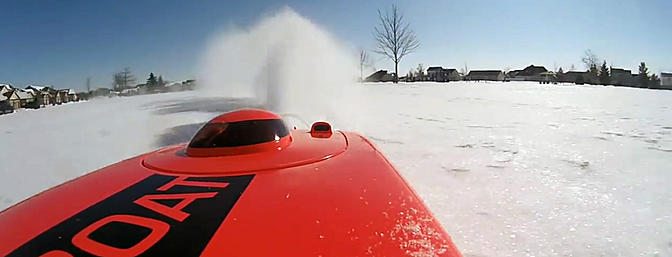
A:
{"x":284,"y":62}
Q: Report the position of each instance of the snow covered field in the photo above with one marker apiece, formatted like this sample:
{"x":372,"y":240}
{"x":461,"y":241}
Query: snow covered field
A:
{"x":510,"y":169}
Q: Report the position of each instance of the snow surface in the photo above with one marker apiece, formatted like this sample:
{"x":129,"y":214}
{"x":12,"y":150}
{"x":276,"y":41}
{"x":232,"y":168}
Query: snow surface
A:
{"x":510,"y":169}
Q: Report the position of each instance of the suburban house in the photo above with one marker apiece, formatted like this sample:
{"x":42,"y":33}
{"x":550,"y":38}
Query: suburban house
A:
{"x":25,"y":98}
{"x":5,"y":88}
{"x":579,"y":77}
{"x":666,"y":80}
{"x":46,"y":96}
{"x":635,"y":78}
{"x":72,"y":95}
{"x":101,"y":92}
{"x":380,"y":76}
{"x":42,"y":94}
{"x":55,"y":97}
{"x":454,"y":75}
{"x":35,"y":102}
{"x":547,"y":77}
{"x":189,"y":84}
{"x":130,"y":91}
{"x":511,"y":74}
{"x":175,"y":86}
{"x":12,"y":97}
{"x":61,"y":96}
{"x":439,"y":74}
{"x":492,"y":75}
{"x":3,"y":102}
{"x":530,"y":73}
{"x":622,"y":77}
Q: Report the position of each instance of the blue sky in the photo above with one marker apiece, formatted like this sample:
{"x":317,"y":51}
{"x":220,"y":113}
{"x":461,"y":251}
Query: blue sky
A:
{"x":63,"y":42}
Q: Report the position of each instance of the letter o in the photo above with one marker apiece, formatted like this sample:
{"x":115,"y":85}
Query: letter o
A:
{"x":82,"y":240}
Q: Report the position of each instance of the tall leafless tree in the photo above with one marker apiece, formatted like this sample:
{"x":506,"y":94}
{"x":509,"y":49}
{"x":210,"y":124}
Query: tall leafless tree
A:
{"x":394,"y":38}
{"x":590,"y":59}
{"x":364,"y":61}
{"x":123,"y":79}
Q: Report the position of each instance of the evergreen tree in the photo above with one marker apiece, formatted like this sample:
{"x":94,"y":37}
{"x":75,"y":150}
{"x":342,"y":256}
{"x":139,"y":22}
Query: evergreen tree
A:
{"x":594,"y":72}
{"x":151,"y":81}
{"x":605,"y":77}
{"x":643,"y":75}
{"x":161,"y":83}
{"x":560,"y":76}
{"x":654,"y":82}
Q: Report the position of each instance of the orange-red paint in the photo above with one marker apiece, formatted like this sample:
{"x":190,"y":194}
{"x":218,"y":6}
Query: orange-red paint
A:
{"x":245,"y":114}
{"x":29,"y":218}
{"x":322,"y":195}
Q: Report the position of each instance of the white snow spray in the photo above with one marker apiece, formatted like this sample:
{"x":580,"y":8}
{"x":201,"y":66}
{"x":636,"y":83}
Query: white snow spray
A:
{"x":285,"y":62}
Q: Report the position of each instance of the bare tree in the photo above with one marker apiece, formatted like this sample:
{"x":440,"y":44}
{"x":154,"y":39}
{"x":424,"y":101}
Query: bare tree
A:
{"x":410,"y":76}
{"x":118,"y":81}
{"x":394,"y":38}
{"x":123,"y":79}
{"x":590,"y":59}
{"x":464,"y":70}
{"x":364,"y":61}
{"x":420,"y":72}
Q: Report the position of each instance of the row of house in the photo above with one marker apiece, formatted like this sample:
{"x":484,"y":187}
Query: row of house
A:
{"x":530,"y":73}
{"x":619,"y":77}
{"x":141,"y":89}
{"x":34,"y":96}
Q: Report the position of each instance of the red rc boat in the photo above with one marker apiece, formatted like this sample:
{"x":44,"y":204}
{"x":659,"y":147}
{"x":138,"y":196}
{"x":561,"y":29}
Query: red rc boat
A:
{"x":244,"y":186}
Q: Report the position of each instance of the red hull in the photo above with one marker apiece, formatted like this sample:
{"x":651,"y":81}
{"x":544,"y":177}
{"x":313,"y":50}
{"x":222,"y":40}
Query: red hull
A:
{"x":338,"y":197}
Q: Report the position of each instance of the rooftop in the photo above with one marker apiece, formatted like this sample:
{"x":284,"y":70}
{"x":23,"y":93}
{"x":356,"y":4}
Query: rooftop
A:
{"x":485,"y":71}
{"x":23,"y":94}
{"x":532,"y":70}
